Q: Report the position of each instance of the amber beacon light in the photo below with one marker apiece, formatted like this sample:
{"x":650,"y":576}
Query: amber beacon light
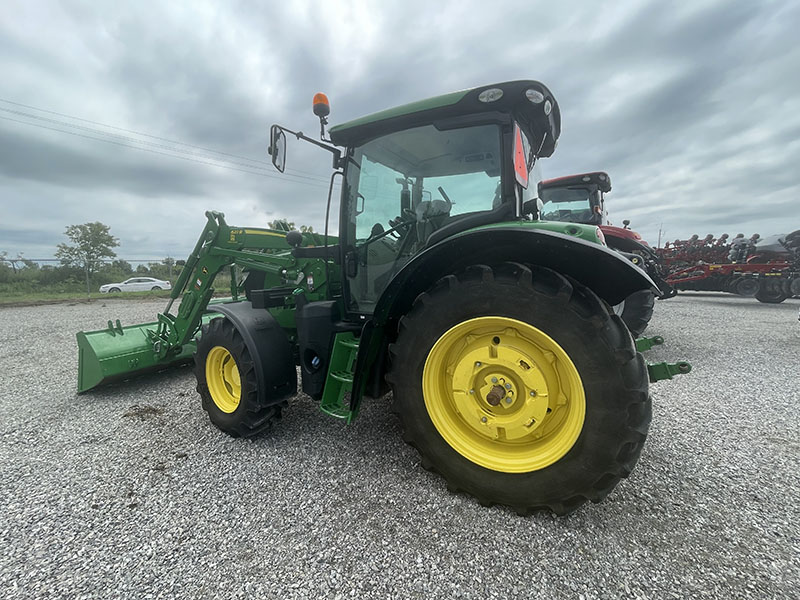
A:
{"x":322,"y":108}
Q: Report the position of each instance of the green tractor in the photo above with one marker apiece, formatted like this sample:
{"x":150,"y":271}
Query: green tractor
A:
{"x":492,"y":329}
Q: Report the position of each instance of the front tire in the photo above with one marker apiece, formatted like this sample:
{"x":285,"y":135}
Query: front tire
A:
{"x":226,"y":382}
{"x":114,"y":291}
{"x":636,"y":311}
{"x":579,"y":410}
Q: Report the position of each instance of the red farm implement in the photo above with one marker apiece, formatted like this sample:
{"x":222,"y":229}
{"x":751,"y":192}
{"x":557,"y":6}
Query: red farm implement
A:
{"x":767,"y":269}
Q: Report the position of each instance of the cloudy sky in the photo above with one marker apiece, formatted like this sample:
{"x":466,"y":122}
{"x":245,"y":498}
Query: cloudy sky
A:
{"x":143,"y":115}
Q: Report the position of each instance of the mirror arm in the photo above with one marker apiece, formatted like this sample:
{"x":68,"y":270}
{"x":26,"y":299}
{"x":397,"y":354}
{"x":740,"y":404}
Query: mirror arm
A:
{"x":337,"y":153}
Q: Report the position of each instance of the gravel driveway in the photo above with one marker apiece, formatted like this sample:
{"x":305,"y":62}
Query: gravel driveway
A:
{"x":129,"y":491}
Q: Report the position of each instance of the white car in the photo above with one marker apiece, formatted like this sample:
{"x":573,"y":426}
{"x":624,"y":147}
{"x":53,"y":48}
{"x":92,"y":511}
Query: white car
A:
{"x":136,"y":284}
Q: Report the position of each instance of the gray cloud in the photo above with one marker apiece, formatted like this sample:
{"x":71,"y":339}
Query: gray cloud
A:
{"x":693,"y":109}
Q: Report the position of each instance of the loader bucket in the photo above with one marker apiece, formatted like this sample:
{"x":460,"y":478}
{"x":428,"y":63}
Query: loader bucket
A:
{"x":117,"y":353}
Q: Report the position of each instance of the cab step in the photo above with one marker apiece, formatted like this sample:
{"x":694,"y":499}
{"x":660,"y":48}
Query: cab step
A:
{"x":340,"y":377}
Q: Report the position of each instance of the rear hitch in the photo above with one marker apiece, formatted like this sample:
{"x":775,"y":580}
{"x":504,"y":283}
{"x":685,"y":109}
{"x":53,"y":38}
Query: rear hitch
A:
{"x":665,"y":370}
{"x":662,"y":370}
{"x":644,"y":344}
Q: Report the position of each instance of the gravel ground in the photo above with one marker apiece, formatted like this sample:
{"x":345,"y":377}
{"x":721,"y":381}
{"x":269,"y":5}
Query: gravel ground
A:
{"x":129,"y":491}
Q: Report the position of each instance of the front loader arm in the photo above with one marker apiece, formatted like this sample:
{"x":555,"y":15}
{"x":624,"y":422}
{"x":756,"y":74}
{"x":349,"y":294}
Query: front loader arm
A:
{"x":218,"y":246}
{"x":119,"y":352}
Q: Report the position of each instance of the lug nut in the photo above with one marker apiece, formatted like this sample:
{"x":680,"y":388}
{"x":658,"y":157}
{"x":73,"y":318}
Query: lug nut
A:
{"x":508,"y":386}
{"x":533,"y":393}
{"x":472,"y":391}
{"x":484,"y":419}
{"x":509,"y":400}
{"x":494,"y":379}
{"x":478,"y":364}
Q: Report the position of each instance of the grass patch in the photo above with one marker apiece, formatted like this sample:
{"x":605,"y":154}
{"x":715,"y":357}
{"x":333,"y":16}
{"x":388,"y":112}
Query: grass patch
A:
{"x":53,"y":296}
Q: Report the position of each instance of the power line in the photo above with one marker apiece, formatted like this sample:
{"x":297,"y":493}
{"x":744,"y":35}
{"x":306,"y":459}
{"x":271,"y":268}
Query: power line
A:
{"x":163,"y":146}
{"x":204,"y":162}
{"x":163,"y":139}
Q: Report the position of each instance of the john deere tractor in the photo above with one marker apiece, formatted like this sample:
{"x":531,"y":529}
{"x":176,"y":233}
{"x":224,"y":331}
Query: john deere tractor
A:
{"x":492,"y":329}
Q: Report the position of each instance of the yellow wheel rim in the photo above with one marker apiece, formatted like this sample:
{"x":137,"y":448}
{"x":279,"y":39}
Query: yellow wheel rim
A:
{"x":222,"y":377}
{"x":504,"y":394}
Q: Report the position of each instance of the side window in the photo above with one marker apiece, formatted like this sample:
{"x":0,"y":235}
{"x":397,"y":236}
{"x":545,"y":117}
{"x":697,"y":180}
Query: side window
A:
{"x":403,"y":187}
{"x":378,"y":199}
{"x":473,"y":193}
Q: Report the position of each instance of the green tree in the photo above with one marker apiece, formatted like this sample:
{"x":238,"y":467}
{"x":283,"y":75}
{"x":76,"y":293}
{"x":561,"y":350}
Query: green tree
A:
{"x":281,"y":225}
{"x":91,"y":242}
{"x":170,"y":263}
{"x":122,"y":265}
{"x":286,"y":225}
{"x":26,"y":264}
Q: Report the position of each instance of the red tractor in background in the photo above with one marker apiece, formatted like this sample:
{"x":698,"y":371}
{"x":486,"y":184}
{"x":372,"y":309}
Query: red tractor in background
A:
{"x":581,"y":199}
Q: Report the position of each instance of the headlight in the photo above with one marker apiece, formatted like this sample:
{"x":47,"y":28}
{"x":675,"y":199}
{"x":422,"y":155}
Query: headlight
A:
{"x":600,"y":235}
{"x":490,"y":95}
{"x":534,"y":96}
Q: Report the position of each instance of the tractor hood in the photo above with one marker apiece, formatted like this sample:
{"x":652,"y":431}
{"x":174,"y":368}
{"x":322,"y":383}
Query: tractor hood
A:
{"x":530,"y":103}
{"x":620,"y":232}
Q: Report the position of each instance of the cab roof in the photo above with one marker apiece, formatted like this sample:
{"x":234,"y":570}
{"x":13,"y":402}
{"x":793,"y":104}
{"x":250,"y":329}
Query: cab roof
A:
{"x":599,"y":178}
{"x":543,"y":129}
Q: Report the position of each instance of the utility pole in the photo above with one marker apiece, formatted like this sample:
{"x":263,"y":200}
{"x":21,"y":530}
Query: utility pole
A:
{"x":88,"y":287}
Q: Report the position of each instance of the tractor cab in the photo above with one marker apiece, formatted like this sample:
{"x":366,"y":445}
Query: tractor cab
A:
{"x":575,"y":198}
{"x":417,"y":174}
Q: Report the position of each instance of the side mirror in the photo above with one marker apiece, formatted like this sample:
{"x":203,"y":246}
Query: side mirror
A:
{"x":277,"y":147}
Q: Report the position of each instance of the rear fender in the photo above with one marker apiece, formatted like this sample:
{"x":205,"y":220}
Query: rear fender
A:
{"x":607,"y":273}
{"x":269,"y":348}
{"x":604,"y":271}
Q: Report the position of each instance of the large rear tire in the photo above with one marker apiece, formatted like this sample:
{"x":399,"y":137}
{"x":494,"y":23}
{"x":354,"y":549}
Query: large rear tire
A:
{"x":636,"y":311}
{"x":226,"y":382}
{"x":579,"y":408}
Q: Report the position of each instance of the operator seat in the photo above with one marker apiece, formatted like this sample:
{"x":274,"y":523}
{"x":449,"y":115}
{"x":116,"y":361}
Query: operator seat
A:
{"x":431,"y":215}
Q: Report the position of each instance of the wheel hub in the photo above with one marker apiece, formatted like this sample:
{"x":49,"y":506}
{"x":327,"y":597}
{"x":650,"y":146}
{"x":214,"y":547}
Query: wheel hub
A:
{"x":503,"y":394}
{"x":512,"y":393}
{"x":223,"y":379}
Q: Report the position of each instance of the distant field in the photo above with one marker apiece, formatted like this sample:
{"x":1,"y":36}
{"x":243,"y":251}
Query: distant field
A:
{"x":27,"y":293}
